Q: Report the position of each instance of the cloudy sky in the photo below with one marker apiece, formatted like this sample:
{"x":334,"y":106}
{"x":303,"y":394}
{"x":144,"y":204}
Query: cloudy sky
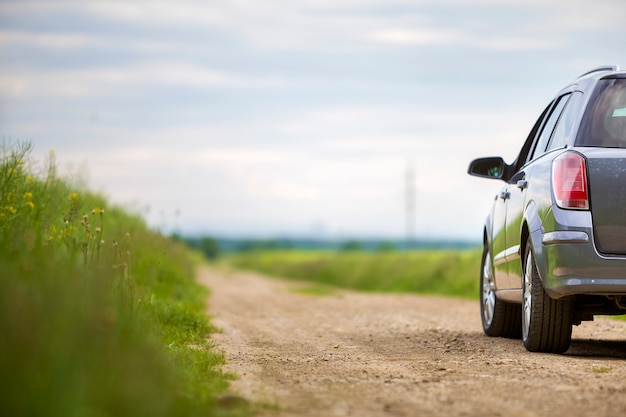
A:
{"x":293,"y":117}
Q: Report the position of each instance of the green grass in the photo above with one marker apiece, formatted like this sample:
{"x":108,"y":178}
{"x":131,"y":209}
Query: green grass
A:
{"x":99,"y":315}
{"x":445,"y":272}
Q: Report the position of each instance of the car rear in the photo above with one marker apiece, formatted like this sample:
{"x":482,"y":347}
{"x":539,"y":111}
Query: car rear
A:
{"x":586,"y":243}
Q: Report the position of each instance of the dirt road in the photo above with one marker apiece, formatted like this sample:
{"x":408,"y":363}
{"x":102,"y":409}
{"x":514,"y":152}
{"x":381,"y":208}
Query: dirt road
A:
{"x":353,"y":354}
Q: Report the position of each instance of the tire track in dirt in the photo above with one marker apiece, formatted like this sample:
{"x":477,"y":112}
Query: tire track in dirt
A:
{"x":357,"y":354}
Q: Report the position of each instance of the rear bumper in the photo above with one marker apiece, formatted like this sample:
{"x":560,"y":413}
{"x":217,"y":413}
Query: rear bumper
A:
{"x":573,"y":266}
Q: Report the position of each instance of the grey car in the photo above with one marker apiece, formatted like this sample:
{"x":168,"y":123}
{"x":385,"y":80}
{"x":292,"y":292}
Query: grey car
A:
{"x":555,"y":238}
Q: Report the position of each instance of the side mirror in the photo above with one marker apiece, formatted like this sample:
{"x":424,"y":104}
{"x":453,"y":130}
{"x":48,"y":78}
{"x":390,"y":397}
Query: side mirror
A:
{"x":492,"y":167}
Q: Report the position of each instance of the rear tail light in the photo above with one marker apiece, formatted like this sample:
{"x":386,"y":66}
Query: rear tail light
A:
{"x":569,"y":181}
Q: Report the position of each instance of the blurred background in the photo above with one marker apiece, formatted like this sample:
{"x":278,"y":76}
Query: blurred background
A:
{"x":310,"y":118}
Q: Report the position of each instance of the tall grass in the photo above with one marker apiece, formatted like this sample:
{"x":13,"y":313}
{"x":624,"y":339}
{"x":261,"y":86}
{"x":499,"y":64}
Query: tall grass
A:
{"x":446,"y":272}
{"x":99,"y":316}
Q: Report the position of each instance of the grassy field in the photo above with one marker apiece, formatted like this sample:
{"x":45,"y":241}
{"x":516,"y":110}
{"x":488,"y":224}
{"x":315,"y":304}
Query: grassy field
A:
{"x":445,"y":272}
{"x":99,"y":315}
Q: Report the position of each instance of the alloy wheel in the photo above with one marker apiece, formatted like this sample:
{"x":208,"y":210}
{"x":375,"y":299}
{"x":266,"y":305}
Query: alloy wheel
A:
{"x":527,"y":299}
{"x":488,"y":294}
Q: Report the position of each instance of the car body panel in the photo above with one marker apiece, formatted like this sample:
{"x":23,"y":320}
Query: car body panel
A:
{"x":498,"y":236}
{"x":514,"y":220}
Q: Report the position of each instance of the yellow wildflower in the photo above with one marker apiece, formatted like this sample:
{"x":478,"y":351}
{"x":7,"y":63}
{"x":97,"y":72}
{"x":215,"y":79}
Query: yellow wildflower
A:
{"x":73,"y":197}
{"x":29,"y":179}
{"x":28,"y":195}
{"x":30,"y":205}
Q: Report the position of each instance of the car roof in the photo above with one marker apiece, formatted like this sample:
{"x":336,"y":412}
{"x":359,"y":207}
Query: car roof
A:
{"x":600,"y":71}
{"x":588,"y":80}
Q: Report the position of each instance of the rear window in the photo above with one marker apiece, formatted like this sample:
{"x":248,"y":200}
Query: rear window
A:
{"x":604,"y":122}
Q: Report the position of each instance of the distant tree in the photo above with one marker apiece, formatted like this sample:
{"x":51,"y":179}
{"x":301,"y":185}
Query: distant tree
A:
{"x":246,"y":246}
{"x":261,"y":245}
{"x":385,"y":247}
{"x":351,"y":245}
{"x":210,"y":247}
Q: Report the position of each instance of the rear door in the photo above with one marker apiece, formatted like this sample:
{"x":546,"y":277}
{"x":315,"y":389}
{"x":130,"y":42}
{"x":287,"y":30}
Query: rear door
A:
{"x":507,"y":197}
{"x":519,"y":185}
{"x":507,"y":257}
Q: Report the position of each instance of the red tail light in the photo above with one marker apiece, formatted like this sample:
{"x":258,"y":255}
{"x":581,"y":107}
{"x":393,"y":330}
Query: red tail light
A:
{"x":569,"y":181}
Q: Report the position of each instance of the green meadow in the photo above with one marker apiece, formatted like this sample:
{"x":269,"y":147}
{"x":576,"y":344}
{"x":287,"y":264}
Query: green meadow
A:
{"x":443,"y":272}
{"x":99,"y":315}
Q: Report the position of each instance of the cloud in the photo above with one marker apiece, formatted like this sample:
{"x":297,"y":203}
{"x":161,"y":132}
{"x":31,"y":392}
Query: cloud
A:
{"x":415,"y":37}
{"x":283,"y":190}
{"x":46,"y":40}
{"x":189,"y":12}
{"x":310,"y":25}
{"x":70,"y":41}
{"x":121,"y":80}
{"x":235,"y":156}
{"x":406,"y":37}
{"x":279,"y":25}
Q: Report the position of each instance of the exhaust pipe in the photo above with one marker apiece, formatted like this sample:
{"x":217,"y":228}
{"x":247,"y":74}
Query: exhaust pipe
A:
{"x":620,"y":301}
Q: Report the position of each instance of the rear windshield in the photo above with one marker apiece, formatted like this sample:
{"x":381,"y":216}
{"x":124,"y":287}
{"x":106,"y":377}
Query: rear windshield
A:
{"x":604,"y":122}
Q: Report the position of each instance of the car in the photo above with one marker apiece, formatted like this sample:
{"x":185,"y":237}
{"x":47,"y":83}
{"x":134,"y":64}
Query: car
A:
{"x":554,"y":241}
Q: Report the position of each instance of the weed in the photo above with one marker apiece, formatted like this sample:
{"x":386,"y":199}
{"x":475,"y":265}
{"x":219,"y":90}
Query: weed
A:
{"x":95,"y":323}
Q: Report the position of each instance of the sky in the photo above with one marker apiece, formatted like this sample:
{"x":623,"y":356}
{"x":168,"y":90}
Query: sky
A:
{"x":278,"y":118}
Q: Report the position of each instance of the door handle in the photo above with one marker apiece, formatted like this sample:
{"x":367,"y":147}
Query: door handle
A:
{"x":505,"y":195}
{"x":522,"y":184}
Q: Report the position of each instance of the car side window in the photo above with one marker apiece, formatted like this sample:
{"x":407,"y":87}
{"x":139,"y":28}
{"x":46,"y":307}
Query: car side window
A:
{"x":566,"y":127}
{"x":541,"y":144}
{"x":525,"y":152}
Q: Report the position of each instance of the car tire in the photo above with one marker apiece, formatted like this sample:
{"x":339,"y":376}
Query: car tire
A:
{"x":546,"y":323}
{"x":499,"y":318}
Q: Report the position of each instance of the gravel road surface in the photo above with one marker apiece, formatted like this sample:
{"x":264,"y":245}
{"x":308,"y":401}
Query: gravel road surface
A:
{"x":359,"y":354}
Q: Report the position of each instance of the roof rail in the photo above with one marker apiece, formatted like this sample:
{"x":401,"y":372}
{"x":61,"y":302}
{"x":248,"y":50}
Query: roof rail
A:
{"x":602,"y":68}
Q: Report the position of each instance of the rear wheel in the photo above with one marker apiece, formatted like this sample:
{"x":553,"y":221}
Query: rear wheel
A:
{"x":498,"y":317}
{"x":546,"y":323}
